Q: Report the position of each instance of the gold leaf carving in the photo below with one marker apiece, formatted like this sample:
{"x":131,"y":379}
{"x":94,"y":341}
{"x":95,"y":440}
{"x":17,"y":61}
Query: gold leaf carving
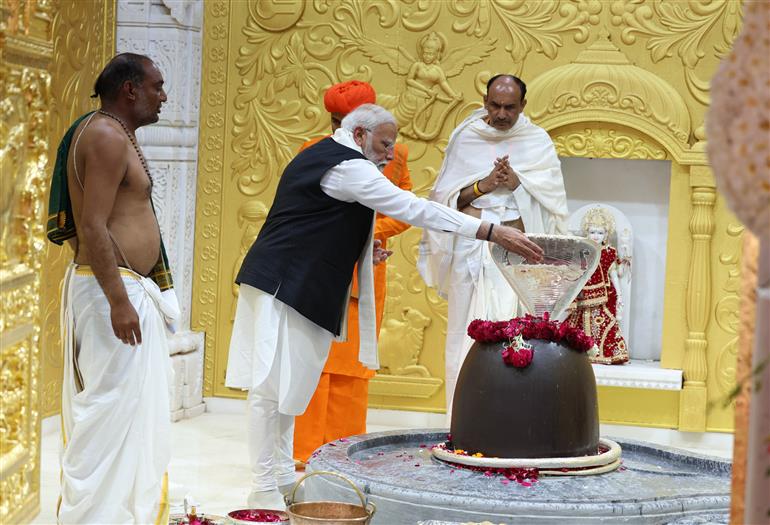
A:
{"x":209,"y":201}
{"x":421,"y":15}
{"x":603,"y":79}
{"x":261,"y":97}
{"x":251,"y":216}
{"x":683,"y":26}
{"x":401,"y":341}
{"x":25,"y":103}
{"x":727,"y":311}
{"x":537,"y":26}
{"x":427,"y":101}
{"x":277,"y":15}
{"x":604,"y":143}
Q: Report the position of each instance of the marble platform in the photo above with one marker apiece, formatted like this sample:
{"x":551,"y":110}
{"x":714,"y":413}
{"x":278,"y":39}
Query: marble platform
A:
{"x":656,"y":485}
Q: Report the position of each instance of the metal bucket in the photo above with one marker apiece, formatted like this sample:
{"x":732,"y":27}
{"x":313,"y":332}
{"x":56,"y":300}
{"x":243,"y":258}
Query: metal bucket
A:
{"x":328,"y":512}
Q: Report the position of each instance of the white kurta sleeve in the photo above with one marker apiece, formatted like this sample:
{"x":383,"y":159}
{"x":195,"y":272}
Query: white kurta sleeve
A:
{"x":358,"y":180}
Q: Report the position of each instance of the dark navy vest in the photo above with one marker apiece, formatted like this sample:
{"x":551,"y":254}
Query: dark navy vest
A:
{"x":307,"y":249}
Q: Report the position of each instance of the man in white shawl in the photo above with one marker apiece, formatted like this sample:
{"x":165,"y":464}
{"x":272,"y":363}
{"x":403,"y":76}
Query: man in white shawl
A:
{"x":502,"y":168}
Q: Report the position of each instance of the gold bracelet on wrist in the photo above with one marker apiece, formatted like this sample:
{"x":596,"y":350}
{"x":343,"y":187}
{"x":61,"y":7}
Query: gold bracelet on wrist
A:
{"x":476,"y":191}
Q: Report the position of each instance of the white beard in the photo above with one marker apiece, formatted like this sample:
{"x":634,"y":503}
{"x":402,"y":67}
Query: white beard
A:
{"x":369,"y":154}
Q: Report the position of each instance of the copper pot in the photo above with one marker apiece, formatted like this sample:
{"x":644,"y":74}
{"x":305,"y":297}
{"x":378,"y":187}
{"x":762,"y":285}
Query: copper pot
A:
{"x":328,"y":512}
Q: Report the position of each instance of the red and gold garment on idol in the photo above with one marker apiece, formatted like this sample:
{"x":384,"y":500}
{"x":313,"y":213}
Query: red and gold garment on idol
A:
{"x":595,"y":310}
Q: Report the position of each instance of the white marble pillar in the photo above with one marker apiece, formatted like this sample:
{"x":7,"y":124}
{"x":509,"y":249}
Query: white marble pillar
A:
{"x":169,"y":32}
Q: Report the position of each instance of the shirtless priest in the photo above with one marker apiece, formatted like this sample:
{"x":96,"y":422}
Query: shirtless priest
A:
{"x":295,"y":280}
{"x":115,"y":407}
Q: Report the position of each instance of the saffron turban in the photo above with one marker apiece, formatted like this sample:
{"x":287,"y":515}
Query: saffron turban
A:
{"x":347,"y":96}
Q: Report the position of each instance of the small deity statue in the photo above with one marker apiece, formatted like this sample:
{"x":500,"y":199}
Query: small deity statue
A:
{"x":598,"y":308}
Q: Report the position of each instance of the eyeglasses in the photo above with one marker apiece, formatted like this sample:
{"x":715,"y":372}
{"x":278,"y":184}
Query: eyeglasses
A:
{"x":389,"y":146}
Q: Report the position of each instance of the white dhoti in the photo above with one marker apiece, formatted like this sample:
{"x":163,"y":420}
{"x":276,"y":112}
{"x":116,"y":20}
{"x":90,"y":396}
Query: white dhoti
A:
{"x":278,"y":356}
{"x":115,"y":406}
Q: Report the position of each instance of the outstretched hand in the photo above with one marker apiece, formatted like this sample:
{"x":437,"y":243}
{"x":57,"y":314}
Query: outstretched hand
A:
{"x":379,"y":255}
{"x":512,"y":240}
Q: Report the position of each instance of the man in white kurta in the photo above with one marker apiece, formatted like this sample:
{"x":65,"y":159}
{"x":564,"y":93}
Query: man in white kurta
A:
{"x":276,"y":352}
{"x":501,"y":167}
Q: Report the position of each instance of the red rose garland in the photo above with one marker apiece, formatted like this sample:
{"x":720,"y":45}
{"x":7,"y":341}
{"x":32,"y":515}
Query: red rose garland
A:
{"x":517,"y":352}
{"x":517,"y":355}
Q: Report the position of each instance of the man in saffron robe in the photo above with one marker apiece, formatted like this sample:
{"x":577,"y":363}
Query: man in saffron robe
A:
{"x":338,"y":407}
{"x":502,"y":168}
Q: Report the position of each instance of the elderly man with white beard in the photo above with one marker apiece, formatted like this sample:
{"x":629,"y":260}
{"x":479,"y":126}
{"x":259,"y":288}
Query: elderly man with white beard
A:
{"x":295,"y":280}
{"x":503,"y":169}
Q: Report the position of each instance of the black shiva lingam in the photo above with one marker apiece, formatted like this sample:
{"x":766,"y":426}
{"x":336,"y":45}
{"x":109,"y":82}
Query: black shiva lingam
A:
{"x":526,"y":393}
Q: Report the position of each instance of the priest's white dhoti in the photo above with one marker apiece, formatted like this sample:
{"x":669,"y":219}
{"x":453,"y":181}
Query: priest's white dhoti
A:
{"x":278,"y":356}
{"x":115,"y":405}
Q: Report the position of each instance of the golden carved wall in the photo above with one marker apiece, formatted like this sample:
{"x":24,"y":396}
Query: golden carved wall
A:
{"x":41,"y":50}
{"x":620,"y":79}
{"x":83,"y":41}
{"x":25,"y":54}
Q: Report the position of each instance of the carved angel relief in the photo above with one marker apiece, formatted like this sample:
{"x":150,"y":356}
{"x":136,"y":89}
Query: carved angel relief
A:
{"x":427,"y":100}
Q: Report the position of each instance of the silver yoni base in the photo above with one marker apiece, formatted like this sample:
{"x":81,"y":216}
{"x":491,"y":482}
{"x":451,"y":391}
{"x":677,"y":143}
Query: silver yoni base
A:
{"x":655,"y":485}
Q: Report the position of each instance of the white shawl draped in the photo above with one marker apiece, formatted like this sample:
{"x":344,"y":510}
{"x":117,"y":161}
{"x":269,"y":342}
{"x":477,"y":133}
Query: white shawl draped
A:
{"x":470,"y":155}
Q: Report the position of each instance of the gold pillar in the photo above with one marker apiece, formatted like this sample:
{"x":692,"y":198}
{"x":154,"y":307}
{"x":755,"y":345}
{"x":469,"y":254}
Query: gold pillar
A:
{"x":48,"y":54}
{"x":83,"y":40}
{"x":25,"y":54}
{"x":693,"y":402}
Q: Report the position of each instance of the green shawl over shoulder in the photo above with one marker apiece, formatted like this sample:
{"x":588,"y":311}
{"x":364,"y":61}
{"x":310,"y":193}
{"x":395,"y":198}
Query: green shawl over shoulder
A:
{"x":61,"y":223}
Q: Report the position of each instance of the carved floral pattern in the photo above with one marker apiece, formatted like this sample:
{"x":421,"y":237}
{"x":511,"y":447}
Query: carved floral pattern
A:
{"x":687,"y":28}
{"x":604,"y":143}
{"x":727,"y":310}
{"x":25,"y":101}
{"x":537,"y":26}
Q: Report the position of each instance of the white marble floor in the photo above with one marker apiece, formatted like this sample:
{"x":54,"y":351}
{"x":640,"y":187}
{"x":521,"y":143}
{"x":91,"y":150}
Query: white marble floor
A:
{"x":210,"y":461}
